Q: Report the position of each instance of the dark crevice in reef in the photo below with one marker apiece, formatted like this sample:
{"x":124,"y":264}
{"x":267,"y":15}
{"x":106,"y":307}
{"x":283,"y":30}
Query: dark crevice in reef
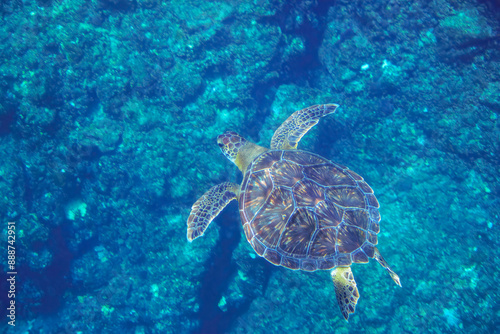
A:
{"x":26,"y":184}
{"x":52,"y":97}
{"x":53,"y":127}
{"x":43,"y":290}
{"x":298,"y":69}
{"x":263,"y":94}
{"x":219,"y":273}
{"x":54,"y":278}
{"x":466,"y":52}
{"x":311,"y":28}
{"x":308,"y":21}
{"x":123,"y":6}
{"x":6,"y":120}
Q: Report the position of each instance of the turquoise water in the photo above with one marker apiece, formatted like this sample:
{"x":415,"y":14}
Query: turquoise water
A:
{"x":109,"y":114}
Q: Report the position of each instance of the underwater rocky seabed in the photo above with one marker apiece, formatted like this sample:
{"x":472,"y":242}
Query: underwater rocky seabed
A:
{"x":109,"y":111}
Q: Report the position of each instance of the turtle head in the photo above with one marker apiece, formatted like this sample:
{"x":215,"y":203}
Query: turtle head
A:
{"x":230,"y":144}
{"x":238,"y":150}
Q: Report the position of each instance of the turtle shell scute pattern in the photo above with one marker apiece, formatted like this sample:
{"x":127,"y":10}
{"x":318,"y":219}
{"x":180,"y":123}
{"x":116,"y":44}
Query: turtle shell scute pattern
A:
{"x":302,"y":211}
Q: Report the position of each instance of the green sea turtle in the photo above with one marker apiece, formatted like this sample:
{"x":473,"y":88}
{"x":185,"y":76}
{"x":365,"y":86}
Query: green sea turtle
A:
{"x":298,"y":209}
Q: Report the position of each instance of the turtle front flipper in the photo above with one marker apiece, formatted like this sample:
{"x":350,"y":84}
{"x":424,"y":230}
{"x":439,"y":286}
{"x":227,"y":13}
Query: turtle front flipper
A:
{"x":378,"y":257}
{"x":291,"y":131}
{"x":345,"y":290}
{"x":208,"y":206}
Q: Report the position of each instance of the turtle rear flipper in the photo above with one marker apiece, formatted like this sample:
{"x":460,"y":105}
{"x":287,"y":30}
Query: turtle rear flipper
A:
{"x":208,"y":206}
{"x":288,"y":135}
{"x":345,"y":290}
{"x":378,"y":257}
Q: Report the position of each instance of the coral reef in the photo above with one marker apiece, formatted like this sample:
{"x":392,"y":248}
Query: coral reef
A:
{"x":109,"y":114}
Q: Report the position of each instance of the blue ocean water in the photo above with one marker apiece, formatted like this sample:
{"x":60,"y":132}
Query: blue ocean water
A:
{"x":109,"y":117}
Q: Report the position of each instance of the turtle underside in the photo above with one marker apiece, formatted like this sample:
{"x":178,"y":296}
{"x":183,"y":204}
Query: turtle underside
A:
{"x":302,"y":211}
